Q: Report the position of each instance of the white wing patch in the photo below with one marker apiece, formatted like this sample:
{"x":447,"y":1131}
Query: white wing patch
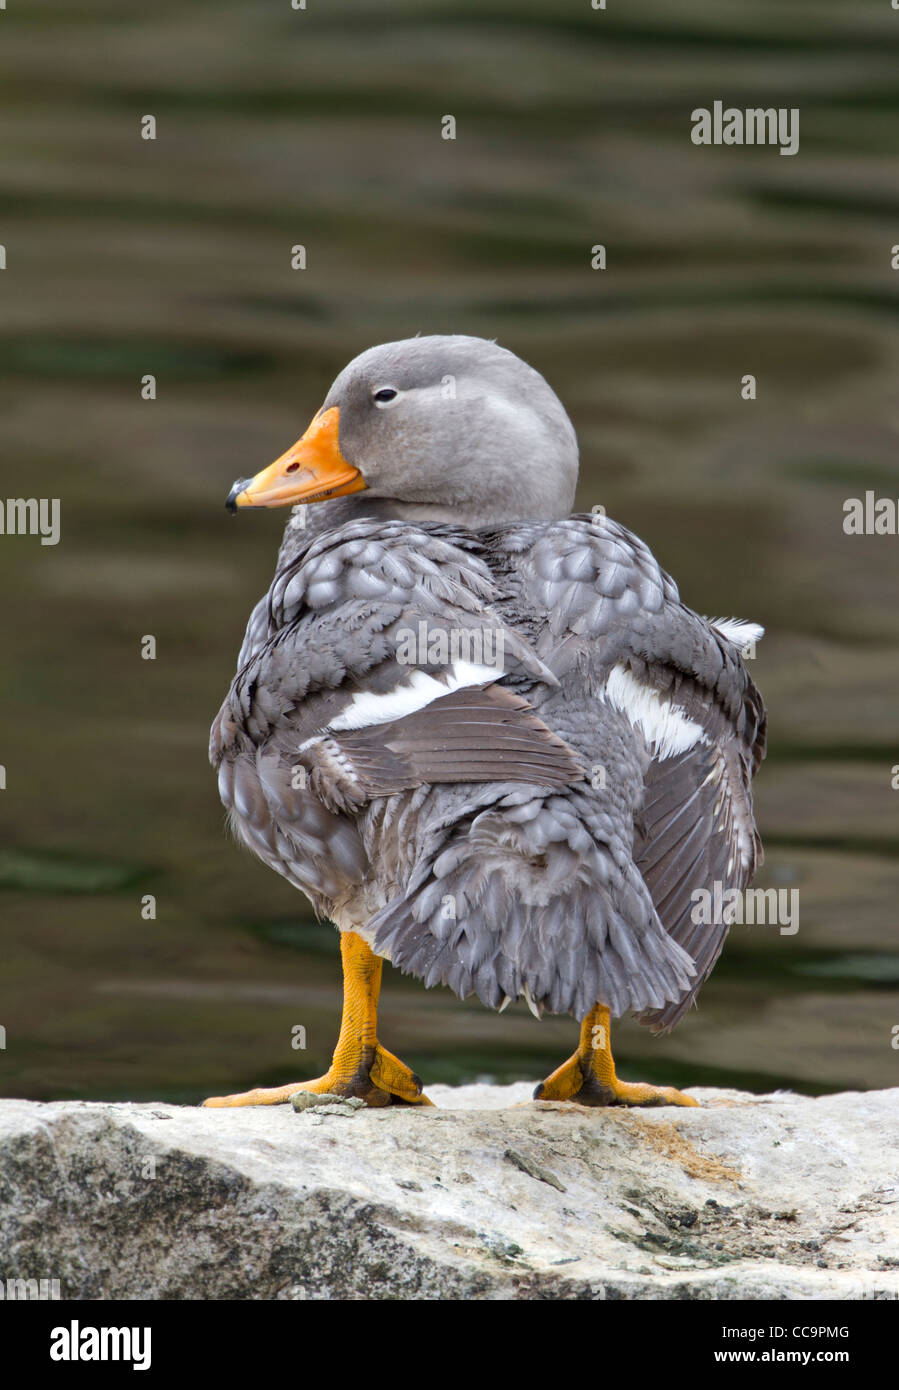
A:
{"x":662,"y":723}
{"x":368,"y":708}
{"x":738,"y":630}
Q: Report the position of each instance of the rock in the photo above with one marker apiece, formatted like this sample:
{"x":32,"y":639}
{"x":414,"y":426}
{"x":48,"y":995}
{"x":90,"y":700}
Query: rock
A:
{"x":758,"y":1197}
{"x":326,"y":1103}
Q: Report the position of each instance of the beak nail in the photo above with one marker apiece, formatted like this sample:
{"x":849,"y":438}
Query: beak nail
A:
{"x":231,"y":500}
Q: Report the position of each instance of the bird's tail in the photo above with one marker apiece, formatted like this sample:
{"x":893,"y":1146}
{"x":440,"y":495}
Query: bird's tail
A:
{"x":565,"y":928}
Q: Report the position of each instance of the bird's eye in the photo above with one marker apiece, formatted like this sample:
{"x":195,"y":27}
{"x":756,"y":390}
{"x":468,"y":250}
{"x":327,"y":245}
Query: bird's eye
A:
{"x":385,"y":394}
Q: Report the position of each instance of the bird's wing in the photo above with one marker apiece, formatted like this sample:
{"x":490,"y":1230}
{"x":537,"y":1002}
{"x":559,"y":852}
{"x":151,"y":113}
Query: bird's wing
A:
{"x":373,"y":677}
{"x":613,"y":630}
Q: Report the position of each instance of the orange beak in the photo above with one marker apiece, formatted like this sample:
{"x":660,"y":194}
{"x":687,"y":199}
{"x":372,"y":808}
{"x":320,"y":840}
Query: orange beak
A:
{"x":312,"y":470}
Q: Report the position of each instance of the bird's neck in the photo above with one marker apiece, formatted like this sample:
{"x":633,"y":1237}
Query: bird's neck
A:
{"x":306,"y":524}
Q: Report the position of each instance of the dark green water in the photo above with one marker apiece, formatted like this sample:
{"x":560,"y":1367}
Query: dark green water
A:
{"x":127,"y":257}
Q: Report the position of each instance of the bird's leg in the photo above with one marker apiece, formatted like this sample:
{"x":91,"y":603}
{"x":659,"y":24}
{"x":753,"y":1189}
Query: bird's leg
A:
{"x":360,"y":1065}
{"x":589,"y":1076}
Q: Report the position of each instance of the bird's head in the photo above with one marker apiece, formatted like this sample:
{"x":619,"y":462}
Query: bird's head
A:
{"x":443,"y":428}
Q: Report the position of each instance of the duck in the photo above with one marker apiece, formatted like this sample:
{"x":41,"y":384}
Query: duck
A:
{"x":481,"y":734}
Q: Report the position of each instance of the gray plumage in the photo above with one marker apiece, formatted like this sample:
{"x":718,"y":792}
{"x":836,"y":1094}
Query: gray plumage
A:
{"x":538,"y":834}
